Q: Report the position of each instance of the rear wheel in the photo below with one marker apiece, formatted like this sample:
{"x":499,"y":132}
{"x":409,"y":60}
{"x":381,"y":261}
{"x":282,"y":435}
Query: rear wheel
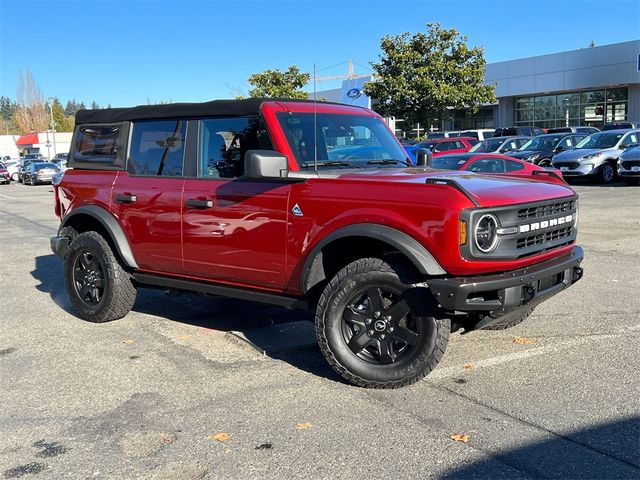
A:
{"x":376,"y":328}
{"x":545,"y":162}
{"x":14,"y":177}
{"x":99,"y":288}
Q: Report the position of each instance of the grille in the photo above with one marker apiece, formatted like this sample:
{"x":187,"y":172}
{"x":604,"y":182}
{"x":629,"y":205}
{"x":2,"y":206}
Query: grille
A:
{"x":546,"y":210}
{"x":542,"y":239}
{"x":630,"y":163}
{"x":569,"y":165}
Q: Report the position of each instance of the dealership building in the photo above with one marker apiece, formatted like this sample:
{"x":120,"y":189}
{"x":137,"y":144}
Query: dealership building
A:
{"x":591,"y":86}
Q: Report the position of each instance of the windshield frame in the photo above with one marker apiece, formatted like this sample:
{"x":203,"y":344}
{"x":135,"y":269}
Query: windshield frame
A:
{"x":300,"y":126}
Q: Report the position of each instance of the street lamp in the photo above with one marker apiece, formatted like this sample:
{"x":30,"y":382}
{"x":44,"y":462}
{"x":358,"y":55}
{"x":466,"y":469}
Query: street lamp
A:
{"x":53,"y":124}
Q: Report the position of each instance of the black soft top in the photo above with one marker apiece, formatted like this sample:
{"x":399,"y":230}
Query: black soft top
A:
{"x":234,"y":108}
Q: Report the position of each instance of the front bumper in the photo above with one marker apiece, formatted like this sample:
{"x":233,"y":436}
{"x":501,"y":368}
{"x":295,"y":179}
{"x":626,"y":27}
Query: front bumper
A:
{"x":505,"y":291}
{"x":584,"y":169}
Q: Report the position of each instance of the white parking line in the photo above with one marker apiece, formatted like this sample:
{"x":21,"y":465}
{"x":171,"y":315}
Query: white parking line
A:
{"x":448,"y":372}
{"x":6,"y":196}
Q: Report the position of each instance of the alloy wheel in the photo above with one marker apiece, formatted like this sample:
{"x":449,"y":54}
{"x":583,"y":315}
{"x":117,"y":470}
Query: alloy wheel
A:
{"x":88,"y":278}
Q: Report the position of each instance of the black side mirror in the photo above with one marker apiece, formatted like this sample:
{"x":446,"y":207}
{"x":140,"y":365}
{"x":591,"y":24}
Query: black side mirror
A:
{"x":559,"y":148}
{"x":265,"y":164}
{"x":624,"y":145}
{"x":424,"y":157}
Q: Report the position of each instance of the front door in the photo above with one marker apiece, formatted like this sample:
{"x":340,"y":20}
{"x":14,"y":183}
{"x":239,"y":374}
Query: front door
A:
{"x":234,"y":229}
{"x":147,"y":198}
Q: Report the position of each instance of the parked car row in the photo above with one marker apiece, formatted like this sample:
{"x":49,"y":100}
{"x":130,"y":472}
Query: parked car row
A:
{"x":32,"y":169}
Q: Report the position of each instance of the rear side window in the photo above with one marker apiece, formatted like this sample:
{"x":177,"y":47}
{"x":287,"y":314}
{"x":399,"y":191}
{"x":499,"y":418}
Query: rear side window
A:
{"x":157,"y":148}
{"x":96,"y":144}
{"x":513,"y":166}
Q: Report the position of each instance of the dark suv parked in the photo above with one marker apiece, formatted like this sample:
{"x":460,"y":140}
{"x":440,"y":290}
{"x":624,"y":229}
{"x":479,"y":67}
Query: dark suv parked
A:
{"x":518,"y":131}
{"x":541,"y":149}
{"x":241,"y":198}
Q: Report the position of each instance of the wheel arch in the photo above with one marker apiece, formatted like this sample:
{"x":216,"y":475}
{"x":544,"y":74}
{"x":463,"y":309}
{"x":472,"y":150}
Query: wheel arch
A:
{"x":358,"y":241}
{"x":93,"y":217}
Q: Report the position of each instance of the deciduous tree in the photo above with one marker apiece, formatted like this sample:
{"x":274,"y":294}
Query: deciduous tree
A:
{"x":420,"y":75}
{"x":31,"y":112}
{"x":277,"y":84}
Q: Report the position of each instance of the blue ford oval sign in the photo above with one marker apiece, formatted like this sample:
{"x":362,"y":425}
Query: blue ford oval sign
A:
{"x":354,"y":93}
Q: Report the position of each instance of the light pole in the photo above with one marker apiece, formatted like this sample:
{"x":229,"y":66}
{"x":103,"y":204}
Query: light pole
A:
{"x":53,"y":124}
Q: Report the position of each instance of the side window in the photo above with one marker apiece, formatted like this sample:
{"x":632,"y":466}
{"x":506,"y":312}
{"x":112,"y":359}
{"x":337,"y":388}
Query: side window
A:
{"x":223,"y":143}
{"x":487,"y":165}
{"x":566,"y":143}
{"x":472,"y":141}
{"x":157,"y":148}
{"x":632,"y":139}
{"x":96,"y":144}
{"x":513,"y":166}
{"x":521,"y":141}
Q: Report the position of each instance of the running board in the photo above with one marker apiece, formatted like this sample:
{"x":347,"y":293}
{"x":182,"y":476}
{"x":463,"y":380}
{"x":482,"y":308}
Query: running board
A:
{"x":220,"y":290}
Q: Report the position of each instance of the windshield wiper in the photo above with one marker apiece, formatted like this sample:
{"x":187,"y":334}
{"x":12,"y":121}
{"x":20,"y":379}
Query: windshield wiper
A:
{"x":330,"y":163}
{"x":389,"y":162}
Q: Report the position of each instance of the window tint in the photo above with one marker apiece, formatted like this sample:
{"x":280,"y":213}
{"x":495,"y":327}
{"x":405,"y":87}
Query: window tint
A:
{"x":157,"y":148}
{"x":513,"y":166}
{"x":224,"y":141}
{"x":630,"y":139}
{"x":96,"y":144}
{"x":566,"y":142}
{"x":487,"y":165}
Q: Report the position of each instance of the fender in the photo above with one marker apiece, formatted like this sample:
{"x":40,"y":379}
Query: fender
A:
{"x":112,"y":227}
{"x":414,"y":251}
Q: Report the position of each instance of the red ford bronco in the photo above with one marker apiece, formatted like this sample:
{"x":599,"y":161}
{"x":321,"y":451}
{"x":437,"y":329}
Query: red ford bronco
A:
{"x":308,"y":205}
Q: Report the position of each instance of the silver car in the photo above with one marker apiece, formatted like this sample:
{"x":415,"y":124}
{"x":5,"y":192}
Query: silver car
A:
{"x":596,"y":155}
{"x":629,"y":165}
{"x":499,"y":145}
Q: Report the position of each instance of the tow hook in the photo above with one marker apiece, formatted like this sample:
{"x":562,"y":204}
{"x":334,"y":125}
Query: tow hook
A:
{"x":577,"y":274}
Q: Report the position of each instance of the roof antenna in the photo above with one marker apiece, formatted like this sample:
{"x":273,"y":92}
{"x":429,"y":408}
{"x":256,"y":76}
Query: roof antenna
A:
{"x":315,"y":122}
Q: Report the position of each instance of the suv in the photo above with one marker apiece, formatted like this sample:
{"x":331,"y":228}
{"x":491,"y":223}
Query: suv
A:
{"x":541,"y":149}
{"x":442,"y":146}
{"x":240,"y":198}
{"x":513,"y":131}
{"x":597,"y":155}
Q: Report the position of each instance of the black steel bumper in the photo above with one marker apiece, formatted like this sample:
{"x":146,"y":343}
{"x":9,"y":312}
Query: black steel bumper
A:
{"x":59,"y":245}
{"x":508,"y":290}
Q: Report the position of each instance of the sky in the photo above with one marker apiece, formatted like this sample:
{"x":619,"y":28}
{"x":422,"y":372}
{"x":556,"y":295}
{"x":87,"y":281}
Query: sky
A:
{"x":127,"y":53}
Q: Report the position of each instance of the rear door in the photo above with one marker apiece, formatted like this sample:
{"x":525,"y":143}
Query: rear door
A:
{"x":234,"y":228}
{"x":147,"y":198}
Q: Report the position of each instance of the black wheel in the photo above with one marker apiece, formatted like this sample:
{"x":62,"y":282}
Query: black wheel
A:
{"x":99,"y":288}
{"x":607,"y":173}
{"x":545,"y":162}
{"x":376,"y":328}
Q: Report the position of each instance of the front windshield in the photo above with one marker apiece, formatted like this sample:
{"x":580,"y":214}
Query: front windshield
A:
{"x":448,"y":162}
{"x":487,"y":146}
{"x":600,"y":140}
{"x":346,"y":141}
{"x":541,"y":143}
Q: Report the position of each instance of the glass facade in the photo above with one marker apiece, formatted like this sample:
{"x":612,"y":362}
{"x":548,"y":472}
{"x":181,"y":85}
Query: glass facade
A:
{"x":463,"y":120}
{"x":590,"y":108}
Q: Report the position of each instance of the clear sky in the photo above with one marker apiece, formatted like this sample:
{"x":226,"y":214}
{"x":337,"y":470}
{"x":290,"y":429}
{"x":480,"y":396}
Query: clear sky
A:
{"x":129,"y":52}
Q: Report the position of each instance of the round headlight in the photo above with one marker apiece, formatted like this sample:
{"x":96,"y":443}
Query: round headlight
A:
{"x":486,"y":233}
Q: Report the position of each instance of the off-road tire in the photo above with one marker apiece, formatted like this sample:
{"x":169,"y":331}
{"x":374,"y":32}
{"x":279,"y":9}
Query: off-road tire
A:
{"x":418,"y":360}
{"x":509,"y":319}
{"x":119,"y":292}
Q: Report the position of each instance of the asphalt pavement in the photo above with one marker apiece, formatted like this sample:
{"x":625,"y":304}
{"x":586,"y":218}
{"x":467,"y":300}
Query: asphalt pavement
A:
{"x":194,"y":387}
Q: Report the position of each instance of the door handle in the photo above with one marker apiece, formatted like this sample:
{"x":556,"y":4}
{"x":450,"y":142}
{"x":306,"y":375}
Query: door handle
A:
{"x":196,"y":203}
{"x":125,"y":198}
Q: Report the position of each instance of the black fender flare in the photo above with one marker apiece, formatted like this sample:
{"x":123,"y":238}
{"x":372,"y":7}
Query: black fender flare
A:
{"x":411,"y":248}
{"x":111,"y":225}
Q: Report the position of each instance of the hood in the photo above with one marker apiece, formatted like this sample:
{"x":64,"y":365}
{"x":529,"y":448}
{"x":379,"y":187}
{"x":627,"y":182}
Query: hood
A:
{"x":485,"y":190}
{"x":527,"y":153}
{"x":576,"y":153}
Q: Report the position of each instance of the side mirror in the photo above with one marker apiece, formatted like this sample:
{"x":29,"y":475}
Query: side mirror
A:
{"x":624,"y":145}
{"x":265,"y":164}
{"x":559,"y":148}
{"x":424,"y":157}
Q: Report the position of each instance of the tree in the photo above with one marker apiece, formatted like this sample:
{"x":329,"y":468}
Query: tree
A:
{"x":277,"y":84}
{"x":420,"y":75}
{"x":94,"y":105}
{"x":31,"y":112}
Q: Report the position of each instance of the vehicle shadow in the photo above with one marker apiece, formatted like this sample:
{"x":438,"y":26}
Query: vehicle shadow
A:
{"x":608,"y":450}
{"x":280,"y":333}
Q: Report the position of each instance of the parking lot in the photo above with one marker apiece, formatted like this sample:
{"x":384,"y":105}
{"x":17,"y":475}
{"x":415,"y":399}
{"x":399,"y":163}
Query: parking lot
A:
{"x":196,"y":387}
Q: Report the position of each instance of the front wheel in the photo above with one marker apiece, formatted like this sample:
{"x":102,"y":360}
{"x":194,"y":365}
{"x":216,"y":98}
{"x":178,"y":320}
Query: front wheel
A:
{"x":98,"y":287}
{"x":14,"y":177}
{"x":377,"y":328}
{"x":607,"y":174}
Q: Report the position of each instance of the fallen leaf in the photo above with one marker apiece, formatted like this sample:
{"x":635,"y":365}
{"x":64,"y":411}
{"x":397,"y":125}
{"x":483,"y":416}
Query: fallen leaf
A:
{"x":524,"y":340}
{"x":304,"y":426}
{"x":184,"y":337}
{"x":220,"y":437}
{"x":460,"y":437}
{"x":129,"y":341}
{"x":469,"y":366}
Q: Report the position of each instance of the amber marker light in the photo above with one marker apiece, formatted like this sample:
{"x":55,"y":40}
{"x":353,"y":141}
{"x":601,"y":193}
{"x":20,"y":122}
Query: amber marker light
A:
{"x":463,"y":232}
